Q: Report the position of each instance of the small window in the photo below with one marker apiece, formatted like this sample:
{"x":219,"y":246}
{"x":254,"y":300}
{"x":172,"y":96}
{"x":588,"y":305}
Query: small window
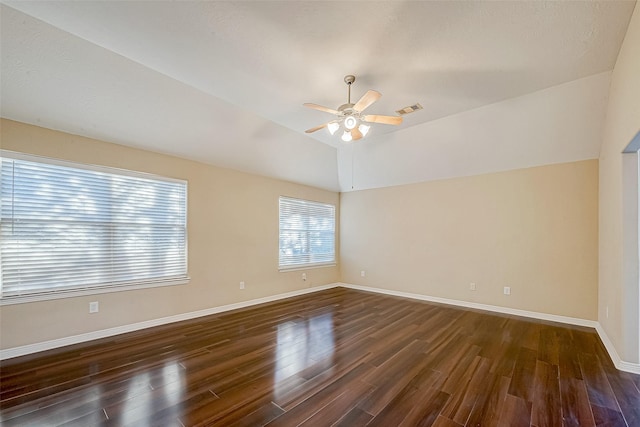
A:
{"x":68,"y":229}
{"x":307,"y":234}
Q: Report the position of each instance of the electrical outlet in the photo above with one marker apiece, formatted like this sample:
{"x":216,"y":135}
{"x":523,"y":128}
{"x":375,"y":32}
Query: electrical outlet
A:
{"x":241,"y":285}
{"x":94,"y":307}
{"x":304,"y":276}
{"x":472,"y":286}
{"x":362,"y":274}
{"x":507,"y":290}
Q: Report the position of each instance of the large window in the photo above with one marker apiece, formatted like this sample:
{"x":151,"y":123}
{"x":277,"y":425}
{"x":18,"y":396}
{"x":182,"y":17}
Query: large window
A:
{"x":69,"y":229}
{"x":307,"y":233}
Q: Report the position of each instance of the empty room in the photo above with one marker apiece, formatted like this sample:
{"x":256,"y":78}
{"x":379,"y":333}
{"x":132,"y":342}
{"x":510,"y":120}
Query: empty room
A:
{"x":320,"y":213}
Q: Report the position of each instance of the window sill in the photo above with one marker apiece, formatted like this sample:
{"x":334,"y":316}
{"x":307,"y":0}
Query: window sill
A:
{"x":305,"y":267}
{"x":70,"y":293}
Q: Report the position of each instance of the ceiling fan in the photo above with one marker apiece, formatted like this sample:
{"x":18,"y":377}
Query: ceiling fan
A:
{"x":350,"y":115}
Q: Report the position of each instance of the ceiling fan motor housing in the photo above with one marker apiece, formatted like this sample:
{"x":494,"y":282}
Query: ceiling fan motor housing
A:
{"x":346,"y":109}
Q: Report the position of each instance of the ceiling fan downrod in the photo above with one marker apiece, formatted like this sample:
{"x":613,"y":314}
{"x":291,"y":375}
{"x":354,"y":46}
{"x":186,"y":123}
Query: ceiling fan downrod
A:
{"x":349,"y":79}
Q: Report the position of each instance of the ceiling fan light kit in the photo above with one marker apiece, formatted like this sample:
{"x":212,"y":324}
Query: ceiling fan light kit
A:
{"x":350,"y":122}
{"x":350,"y":116}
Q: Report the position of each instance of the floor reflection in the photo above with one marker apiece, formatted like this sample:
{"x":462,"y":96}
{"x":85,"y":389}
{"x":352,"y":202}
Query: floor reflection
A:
{"x":148,"y":391}
{"x":138,"y":399}
{"x":301,"y":344}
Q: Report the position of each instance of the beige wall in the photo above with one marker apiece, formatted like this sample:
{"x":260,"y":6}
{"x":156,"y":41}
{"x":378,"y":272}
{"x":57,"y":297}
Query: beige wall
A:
{"x":622,"y":124}
{"x":535,"y":230}
{"x":233,"y":236}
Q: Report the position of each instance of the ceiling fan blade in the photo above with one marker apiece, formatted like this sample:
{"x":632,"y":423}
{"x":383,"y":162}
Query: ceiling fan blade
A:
{"x":322,"y":126}
{"x":356,"y":134}
{"x":316,"y":128}
{"x":321,"y":108}
{"x":387,"y":120}
{"x":367,"y":99}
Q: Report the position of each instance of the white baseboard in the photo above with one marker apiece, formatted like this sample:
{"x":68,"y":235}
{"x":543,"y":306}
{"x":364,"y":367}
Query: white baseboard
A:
{"x":104,"y":333}
{"x":478,"y":306}
{"x":633,"y":368}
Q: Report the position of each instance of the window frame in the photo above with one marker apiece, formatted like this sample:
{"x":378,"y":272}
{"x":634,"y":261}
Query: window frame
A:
{"x":95,"y":289}
{"x":307,"y":265}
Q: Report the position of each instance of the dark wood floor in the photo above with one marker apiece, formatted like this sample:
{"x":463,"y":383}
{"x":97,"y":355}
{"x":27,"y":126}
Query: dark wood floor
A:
{"x":336,"y":357}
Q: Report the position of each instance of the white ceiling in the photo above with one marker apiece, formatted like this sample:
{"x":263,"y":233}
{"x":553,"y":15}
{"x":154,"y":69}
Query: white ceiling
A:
{"x":504,"y":85}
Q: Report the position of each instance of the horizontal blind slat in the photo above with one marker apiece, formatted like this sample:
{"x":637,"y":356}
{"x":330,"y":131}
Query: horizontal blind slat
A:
{"x":306,"y":232}
{"x":62,"y":227}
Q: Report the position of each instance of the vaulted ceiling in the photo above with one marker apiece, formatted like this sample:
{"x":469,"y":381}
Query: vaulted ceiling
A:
{"x":504,"y":85}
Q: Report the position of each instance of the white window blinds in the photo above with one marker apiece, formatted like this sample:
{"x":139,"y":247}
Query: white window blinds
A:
{"x":307,"y":233}
{"x":65,"y":228}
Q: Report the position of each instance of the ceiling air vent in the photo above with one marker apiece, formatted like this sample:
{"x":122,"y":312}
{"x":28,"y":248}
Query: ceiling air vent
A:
{"x":409,"y":109}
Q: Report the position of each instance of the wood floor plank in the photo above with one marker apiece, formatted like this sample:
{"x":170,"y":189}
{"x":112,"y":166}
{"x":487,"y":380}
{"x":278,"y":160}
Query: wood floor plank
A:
{"x":426,"y":413}
{"x":549,"y":345}
{"x":342,"y":404}
{"x":627,"y":396}
{"x":516,"y":412}
{"x":568,"y":362}
{"x":546,"y":409}
{"x":256,"y":413}
{"x":489,"y":405}
{"x":335,"y":357}
{"x":261,"y":416}
{"x":576,"y":410}
{"x":464,"y":397}
{"x":323,"y":397}
{"x":524,"y":373}
{"x":607,"y":417}
{"x":392,"y":376}
{"x":445,"y":422}
{"x":399,"y":407}
{"x":291,"y":397}
{"x":354,"y":418}
{"x":598,"y":386}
